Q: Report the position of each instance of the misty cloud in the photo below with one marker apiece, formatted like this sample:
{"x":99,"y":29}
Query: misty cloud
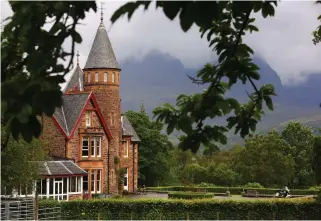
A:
{"x":284,"y":41}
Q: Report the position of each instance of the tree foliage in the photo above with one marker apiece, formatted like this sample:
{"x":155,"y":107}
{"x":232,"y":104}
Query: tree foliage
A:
{"x":316,"y":157}
{"x":31,"y":61}
{"x":301,"y":139}
{"x":17,"y":162}
{"x":153,"y":149}
{"x":224,"y":23}
{"x":266,"y":159}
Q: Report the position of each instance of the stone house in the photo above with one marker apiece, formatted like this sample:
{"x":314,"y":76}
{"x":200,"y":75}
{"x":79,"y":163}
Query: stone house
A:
{"x":89,"y":128}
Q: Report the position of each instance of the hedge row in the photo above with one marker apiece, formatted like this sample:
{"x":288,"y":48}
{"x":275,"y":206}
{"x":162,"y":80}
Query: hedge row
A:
{"x":233,"y":190}
{"x":189,"y":195}
{"x":174,"y":209}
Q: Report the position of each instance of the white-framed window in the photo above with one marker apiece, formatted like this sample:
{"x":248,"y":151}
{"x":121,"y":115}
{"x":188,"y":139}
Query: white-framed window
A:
{"x":85,"y":147}
{"x":126,"y":148}
{"x":88,"y":119}
{"x":126,"y":180}
{"x":57,"y":188}
{"x":96,"y":146}
{"x":75,"y":185}
{"x":105,"y":77}
{"x":95,"y":180}
{"x":98,"y":180}
{"x":88,"y":77}
{"x":96,"y":77}
{"x":85,"y":182}
{"x":113,"y":77}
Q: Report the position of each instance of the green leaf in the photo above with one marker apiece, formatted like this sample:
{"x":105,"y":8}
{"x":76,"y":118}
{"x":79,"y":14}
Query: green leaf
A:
{"x":187,"y":17}
{"x":185,"y":124}
{"x":268,"y":102}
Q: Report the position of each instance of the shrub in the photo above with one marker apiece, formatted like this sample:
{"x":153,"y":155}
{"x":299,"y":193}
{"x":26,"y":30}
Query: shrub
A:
{"x":233,"y":190}
{"x":189,"y":195}
{"x":198,"y":209}
{"x":203,"y":184}
{"x":193,"y":174}
{"x":253,"y":185}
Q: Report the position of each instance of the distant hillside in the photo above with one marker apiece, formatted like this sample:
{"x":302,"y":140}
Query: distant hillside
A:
{"x":313,"y":121}
{"x":159,"y":78}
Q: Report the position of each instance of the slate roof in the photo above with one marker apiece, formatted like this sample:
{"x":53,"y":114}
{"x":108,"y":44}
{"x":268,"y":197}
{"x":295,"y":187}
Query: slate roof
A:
{"x":75,"y":80}
{"x":128,"y":129}
{"x":58,"y":168}
{"x":101,"y":54}
{"x":69,"y":112}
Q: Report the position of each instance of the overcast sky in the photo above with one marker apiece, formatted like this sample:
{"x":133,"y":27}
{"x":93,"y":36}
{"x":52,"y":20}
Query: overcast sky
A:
{"x":284,"y":41}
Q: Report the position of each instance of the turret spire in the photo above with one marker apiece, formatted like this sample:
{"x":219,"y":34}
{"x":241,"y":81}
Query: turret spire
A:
{"x":102,"y":12}
{"x":77,"y":58}
{"x":101,"y":54}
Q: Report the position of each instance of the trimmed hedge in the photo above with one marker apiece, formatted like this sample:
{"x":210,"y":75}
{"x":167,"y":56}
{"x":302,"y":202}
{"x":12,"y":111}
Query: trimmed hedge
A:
{"x":174,"y":209}
{"x":233,"y":190}
{"x":189,"y":195}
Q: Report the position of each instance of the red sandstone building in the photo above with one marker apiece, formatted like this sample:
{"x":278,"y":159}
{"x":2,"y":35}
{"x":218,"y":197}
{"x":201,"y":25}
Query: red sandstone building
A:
{"x":89,"y":127}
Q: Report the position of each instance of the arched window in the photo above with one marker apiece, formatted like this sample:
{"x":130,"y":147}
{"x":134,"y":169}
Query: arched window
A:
{"x":88,"y":77}
{"x":113,"y":77}
{"x":105,"y":77}
{"x":96,"y":77}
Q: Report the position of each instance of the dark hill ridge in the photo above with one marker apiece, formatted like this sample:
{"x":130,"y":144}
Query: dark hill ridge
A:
{"x":159,"y":78}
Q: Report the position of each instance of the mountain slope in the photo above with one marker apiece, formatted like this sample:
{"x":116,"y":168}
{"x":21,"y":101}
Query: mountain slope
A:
{"x":159,"y":78}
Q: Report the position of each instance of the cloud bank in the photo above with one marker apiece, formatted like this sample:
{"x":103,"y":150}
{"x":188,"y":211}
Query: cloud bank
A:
{"x":284,"y":41}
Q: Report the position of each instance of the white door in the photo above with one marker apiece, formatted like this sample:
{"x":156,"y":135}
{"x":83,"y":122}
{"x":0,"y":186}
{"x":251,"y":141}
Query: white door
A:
{"x":126,"y":180}
{"x":58,"y":190}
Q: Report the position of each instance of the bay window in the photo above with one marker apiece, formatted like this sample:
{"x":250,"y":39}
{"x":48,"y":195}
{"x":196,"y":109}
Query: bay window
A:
{"x":85,"y":182}
{"x":95,"y":146}
{"x":96,"y":180}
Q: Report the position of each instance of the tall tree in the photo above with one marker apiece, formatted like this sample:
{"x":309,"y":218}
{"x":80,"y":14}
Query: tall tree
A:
{"x":154,"y":148}
{"x":225,"y":23}
{"x":316,"y":157}
{"x":266,"y":159}
{"x":31,"y":61}
{"x":17,"y":162}
{"x":301,"y":139}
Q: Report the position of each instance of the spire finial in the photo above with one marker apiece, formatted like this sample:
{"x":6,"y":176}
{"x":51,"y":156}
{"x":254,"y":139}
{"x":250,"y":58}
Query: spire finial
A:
{"x":77,"y":57}
{"x":102,"y":11}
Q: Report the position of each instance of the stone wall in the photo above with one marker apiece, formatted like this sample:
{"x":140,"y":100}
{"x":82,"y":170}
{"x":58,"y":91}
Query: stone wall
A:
{"x":108,"y":98}
{"x":75,"y":197}
{"x":75,"y":145}
{"x":55,"y":140}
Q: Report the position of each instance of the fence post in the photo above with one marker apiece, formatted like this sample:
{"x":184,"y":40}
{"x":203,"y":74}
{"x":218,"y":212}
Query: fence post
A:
{"x":187,"y":218}
{"x":7,"y":211}
{"x":217,"y":215}
{"x":36,"y":205}
{"x":131,"y":216}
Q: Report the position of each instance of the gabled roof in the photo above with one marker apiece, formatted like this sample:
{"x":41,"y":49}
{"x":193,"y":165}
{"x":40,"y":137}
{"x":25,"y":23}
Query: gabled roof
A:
{"x":60,"y":168}
{"x":128,"y":129}
{"x":101,"y":54}
{"x":68,"y":115}
{"x":76,"y":80}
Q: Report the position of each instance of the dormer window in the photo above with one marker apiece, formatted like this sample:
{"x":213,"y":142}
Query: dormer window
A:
{"x":105,"y":77}
{"x":88,"y":119}
{"x":113,"y":77}
{"x":88,"y":77}
{"x":96,"y":77}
